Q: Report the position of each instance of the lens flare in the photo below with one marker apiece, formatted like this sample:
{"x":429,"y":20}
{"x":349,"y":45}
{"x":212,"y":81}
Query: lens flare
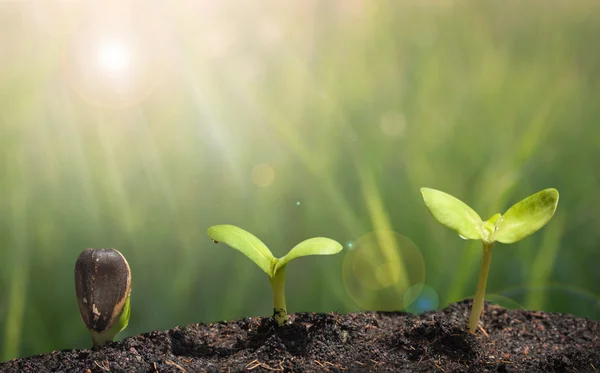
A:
{"x":114,"y":66}
{"x":115,"y":59}
{"x":263,"y":175}
{"x":392,"y":124}
{"x":372,"y":271}
{"x":503,"y":301}
{"x":421,"y":298}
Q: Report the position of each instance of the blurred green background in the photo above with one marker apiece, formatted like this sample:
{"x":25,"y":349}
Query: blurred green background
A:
{"x":136,"y":125}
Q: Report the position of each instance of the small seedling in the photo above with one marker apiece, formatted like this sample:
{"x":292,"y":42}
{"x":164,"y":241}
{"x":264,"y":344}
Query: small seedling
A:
{"x":103,"y":286}
{"x":521,"y":220}
{"x":258,"y":252}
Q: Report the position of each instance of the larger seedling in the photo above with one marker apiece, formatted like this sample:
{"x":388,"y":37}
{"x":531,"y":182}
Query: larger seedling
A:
{"x":519,"y":221}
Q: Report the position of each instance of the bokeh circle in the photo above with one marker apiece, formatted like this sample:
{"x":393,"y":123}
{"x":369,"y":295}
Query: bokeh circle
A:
{"x":421,"y":298}
{"x":379,"y":270}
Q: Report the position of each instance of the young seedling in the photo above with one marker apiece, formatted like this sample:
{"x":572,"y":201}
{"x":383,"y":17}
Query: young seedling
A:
{"x":521,"y":220}
{"x":258,"y":252}
{"x":103,"y":286}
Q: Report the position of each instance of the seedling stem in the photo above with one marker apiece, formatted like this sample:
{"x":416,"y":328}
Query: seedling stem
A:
{"x":480,"y":294}
{"x":279,"y":307}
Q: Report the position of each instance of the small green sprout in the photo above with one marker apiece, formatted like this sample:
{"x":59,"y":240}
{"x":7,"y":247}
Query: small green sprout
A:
{"x":103,"y":287}
{"x":258,"y":252}
{"x":521,"y":220}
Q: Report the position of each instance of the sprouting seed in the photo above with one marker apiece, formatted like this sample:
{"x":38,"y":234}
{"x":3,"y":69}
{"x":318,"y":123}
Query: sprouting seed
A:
{"x":521,"y":220}
{"x":103,"y":288}
{"x":258,"y":252}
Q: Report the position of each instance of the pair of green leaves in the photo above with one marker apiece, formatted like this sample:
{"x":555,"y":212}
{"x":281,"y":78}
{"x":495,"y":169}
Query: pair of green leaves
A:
{"x":521,"y":220}
{"x":260,"y":254}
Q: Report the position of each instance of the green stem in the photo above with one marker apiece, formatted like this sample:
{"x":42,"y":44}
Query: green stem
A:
{"x":98,"y":338}
{"x":279,"y":309}
{"x":477,"y":307}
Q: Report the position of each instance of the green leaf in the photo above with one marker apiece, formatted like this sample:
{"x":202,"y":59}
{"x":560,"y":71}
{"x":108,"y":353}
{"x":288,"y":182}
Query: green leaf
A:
{"x":527,"y":216}
{"x":494,"y":218}
{"x":245,"y":242}
{"x":312,"y":246}
{"x":453,"y":213}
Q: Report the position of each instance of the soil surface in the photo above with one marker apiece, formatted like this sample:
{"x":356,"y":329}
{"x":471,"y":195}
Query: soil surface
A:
{"x":509,"y":341}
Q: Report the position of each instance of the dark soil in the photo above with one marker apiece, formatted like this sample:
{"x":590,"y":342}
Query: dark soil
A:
{"x":510,"y":341}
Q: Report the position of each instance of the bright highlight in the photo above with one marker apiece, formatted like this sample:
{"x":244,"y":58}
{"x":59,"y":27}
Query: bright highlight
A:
{"x":115,"y":58}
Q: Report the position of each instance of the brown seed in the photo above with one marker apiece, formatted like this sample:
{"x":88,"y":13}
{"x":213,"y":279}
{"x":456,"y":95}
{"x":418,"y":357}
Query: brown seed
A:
{"x":102,"y":285}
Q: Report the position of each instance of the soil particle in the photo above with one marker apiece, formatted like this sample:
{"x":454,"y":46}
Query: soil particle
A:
{"x":508,"y":341}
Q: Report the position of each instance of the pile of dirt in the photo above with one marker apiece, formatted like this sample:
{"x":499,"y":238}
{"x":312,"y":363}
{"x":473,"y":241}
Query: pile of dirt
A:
{"x":509,"y":341}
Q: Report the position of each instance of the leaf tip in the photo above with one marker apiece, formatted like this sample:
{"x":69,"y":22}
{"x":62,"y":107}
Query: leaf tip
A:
{"x":338,"y":248}
{"x":554,"y":193}
{"x":428,"y":194}
{"x":211,"y":231}
{"x":215,"y":232}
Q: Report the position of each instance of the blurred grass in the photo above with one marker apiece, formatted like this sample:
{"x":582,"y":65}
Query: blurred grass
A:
{"x":353,"y":104}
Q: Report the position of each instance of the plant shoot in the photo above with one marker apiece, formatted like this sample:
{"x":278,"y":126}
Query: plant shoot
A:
{"x":521,"y":220}
{"x":258,"y":252}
